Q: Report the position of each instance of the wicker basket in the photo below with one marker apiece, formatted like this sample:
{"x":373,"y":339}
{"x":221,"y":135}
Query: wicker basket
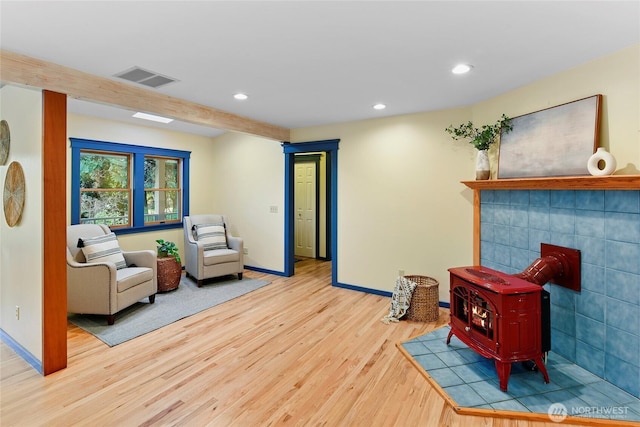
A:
{"x":169,"y":273}
{"x":425,"y":299}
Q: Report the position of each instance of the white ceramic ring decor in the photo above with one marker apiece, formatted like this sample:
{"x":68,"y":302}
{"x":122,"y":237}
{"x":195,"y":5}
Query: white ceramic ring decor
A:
{"x":601,"y":155}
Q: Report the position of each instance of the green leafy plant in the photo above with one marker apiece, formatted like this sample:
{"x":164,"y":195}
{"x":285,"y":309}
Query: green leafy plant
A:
{"x":481,"y":138}
{"x":166,"y":248}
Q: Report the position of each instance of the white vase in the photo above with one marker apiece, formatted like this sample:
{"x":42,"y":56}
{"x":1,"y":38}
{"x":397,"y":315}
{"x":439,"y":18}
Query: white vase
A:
{"x":604,"y":158}
{"x":483,"y":170}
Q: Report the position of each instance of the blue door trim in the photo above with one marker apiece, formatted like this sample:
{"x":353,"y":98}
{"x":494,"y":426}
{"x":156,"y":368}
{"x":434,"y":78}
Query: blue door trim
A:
{"x":329,"y":146}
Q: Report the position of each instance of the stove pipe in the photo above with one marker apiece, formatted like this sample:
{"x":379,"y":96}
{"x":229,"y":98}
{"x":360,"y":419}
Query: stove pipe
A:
{"x":543,"y":269}
{"x":557,"y":265}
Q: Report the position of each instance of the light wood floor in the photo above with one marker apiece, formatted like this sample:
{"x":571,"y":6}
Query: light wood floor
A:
{"x":297,"y":352}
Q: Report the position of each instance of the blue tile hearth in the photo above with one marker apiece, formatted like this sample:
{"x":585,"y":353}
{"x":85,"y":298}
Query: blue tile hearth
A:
{"x":471,"y":381}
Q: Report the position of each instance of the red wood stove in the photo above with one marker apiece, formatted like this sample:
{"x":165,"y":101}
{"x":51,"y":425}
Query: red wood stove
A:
{"x":497,"y":315}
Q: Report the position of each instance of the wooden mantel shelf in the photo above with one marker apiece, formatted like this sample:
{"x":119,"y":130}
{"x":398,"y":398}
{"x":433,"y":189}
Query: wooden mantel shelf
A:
{"x":612,"y":182}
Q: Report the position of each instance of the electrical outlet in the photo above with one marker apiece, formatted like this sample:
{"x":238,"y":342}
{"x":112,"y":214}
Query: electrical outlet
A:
{"x":17,"y":312}
{"x":400,"y":273}
{"x":245,"y":251}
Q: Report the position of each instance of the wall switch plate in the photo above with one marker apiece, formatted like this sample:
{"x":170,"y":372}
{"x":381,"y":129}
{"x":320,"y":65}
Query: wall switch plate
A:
{"x":17,"y":312}
{"x":245,"y":251}
{"x":400,"y":273}
{"x":273,"y":209}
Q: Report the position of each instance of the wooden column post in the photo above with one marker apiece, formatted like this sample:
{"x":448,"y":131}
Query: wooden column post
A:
{"x":54,"y":172}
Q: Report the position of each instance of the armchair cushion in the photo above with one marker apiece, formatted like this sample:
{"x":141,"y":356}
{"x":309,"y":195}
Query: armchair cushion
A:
{"x":212,"y":236}
{"x":132,"y":276}
{"x":220,"y":256}
{"x":102,"y":249}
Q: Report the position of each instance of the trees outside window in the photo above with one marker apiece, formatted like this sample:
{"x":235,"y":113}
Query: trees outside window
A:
{"x":105,"y":189}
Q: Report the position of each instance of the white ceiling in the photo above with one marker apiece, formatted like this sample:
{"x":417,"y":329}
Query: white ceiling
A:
{"x":307,"y":63}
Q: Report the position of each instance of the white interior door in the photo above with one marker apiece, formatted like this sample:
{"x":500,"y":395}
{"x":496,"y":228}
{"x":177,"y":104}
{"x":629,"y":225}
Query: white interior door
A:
{"x":305,"y":206}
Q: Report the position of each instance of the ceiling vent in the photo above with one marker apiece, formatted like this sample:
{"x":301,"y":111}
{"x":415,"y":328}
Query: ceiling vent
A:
{"x":144,"y":77}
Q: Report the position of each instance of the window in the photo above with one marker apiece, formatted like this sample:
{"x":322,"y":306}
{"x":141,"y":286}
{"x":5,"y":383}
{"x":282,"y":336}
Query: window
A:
{"x":162,"y":193}
{"x":128,"y":187}
{"x":105,"y":189}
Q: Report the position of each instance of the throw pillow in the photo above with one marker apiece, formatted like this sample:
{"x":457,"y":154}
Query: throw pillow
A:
{"x":213,"y":236}
{"x":103,"y":249}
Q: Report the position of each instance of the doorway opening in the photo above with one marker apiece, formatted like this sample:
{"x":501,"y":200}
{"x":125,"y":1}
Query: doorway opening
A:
{"x":328,"y":150}
{"x":309,"y":200}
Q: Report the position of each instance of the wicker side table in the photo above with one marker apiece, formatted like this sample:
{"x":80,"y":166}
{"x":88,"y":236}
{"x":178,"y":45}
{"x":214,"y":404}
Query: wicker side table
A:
{"x":425,"y":302}
{"x":169,"y":273}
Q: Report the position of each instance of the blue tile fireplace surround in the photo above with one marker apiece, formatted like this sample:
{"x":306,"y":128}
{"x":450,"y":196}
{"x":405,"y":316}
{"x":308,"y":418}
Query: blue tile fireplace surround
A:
{"x":597,"y":328}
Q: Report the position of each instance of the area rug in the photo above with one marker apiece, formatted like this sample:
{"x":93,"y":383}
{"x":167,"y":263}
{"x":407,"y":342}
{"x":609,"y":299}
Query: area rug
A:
{"x":142,"y":317}
{"x":469,"y":382}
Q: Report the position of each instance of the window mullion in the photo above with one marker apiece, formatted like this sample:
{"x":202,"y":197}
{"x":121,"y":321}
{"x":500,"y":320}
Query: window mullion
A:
{"x":138,"y":190}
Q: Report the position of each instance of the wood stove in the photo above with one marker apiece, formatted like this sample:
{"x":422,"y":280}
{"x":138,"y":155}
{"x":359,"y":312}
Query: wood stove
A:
{"x":499,"y":316}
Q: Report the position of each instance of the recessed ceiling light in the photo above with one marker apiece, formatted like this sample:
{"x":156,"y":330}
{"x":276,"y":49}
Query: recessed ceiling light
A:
{"x":461,"y":69}
{"x":153,"y":118}
{"x":379,"y":107}
{"x":240,"y":96}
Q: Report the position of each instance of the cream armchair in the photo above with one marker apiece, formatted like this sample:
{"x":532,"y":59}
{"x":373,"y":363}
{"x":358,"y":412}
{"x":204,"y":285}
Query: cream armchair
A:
{"x":99,"y":287}
{"x":207,"y":256}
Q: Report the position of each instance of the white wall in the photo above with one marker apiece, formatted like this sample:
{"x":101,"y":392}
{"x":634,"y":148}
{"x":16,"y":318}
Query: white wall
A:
{"x":21,"y":246}
{"x":247,"y":178}
{"x":400,"y":202}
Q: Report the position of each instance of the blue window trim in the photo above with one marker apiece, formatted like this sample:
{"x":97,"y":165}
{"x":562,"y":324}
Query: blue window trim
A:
{"x":138,"y":152}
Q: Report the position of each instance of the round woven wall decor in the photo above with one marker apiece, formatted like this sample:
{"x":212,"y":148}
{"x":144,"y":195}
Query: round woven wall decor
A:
{"x":13,"y":196}
{"x":5,"y":141}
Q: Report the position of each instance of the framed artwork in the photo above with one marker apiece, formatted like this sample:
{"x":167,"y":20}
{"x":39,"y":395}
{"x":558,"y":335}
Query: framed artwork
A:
{"x":556,"y":141}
